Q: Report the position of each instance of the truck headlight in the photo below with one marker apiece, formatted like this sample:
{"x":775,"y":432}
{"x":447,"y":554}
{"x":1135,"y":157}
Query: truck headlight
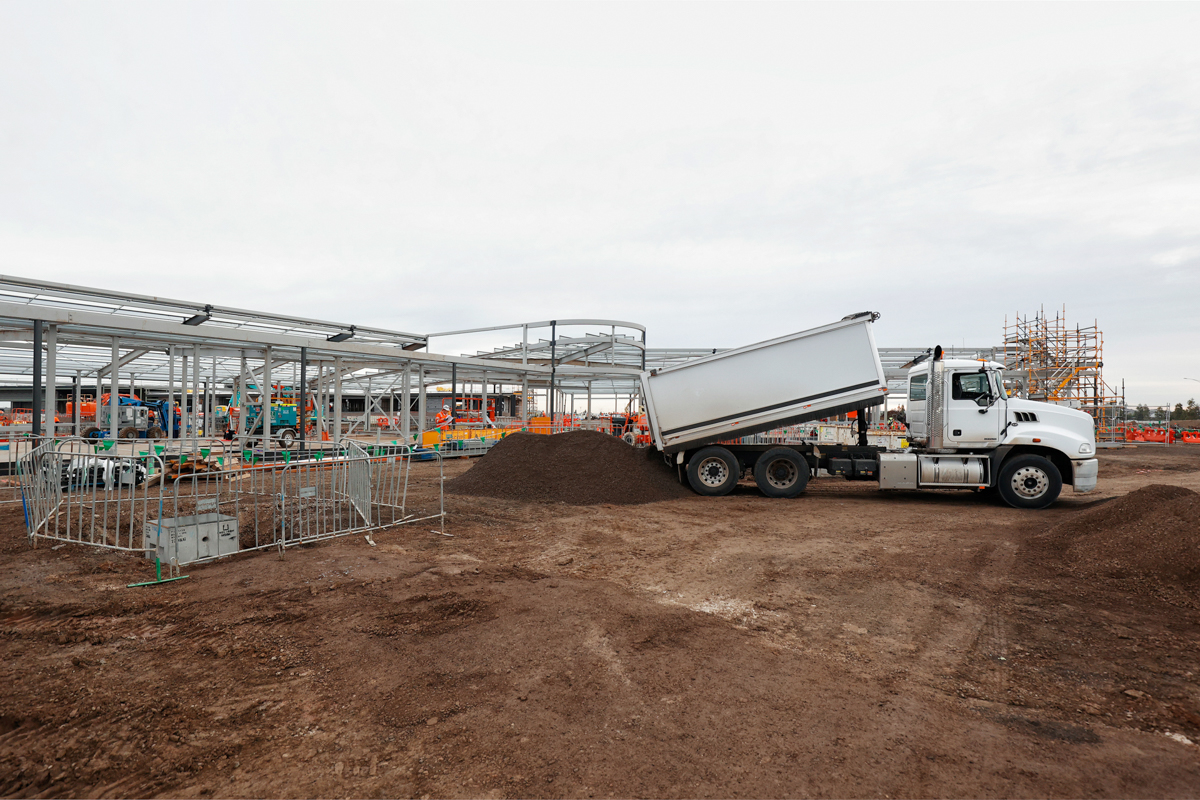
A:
{"x":1085,"y":448}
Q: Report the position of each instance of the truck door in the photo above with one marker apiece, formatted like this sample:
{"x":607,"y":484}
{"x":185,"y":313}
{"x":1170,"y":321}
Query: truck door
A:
{"x":914,"y":413}
{"x":973,"y":410}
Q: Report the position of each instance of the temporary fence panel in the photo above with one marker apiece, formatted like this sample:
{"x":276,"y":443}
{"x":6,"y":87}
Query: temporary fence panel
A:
{"x":126,"y":501}
{"x":95,"y":498}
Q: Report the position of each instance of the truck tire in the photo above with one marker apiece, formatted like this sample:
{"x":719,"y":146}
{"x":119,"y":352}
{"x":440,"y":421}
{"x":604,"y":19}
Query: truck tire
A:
{"x":1029,"y":482}
{"x":92,"y":433}
{"x":155,"y":432}
{"x":713,"y":471}
{"x":287,"y":437}
{"x":781,"y":472}
{"x":128,"y":432}
{"x":629,"y":439}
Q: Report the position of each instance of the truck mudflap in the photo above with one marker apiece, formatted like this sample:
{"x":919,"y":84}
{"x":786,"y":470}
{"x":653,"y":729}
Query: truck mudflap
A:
{"x":1085,"y":475}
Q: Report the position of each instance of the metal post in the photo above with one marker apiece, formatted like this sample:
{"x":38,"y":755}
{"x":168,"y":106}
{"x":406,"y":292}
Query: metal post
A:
{"x":589,"y":409}
{"x":483,"y":398}
{"x":405,"y":417}
{"x":367,"y":407}
{"x":210,"y":415}
{"x":422,"y":404}
{"x":36,"y":394}
{"x":185,"y":416}
{"x":75,"y":405}
{"x":453,"y":392}
{"x":268,"y":389}
{"x":524,"y":399}
{"x":243,"y":404}
{"x":51,"y":379}
{"x":322,"y":400}
{"x":196,"y":423}
{"x":302,"y":400}
{"x":115,"y":391}
{"x":553,"y":366}
{"x":643,"y":351}
{"x":170,"y":392}
{"x":337,"y":401}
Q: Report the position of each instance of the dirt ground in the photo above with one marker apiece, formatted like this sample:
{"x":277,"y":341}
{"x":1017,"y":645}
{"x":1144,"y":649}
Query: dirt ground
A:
{"x":845,"y":643}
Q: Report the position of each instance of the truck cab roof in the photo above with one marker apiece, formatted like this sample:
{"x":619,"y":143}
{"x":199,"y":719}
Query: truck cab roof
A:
{"x":959,"y":363}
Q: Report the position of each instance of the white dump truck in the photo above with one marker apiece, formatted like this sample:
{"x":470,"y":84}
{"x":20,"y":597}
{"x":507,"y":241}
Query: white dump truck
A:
{"x":965,"y":432}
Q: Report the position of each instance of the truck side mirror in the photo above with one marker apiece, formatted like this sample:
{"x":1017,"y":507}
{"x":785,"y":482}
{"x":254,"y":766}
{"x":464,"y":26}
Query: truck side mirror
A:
{"x":984,"y":401}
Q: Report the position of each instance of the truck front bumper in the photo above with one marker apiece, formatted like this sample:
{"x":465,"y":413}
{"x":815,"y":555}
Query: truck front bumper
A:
{"x":1085,"y":475}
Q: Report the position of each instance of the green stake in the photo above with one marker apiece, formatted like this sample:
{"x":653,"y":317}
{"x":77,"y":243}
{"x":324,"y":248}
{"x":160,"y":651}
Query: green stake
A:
{"x":158,"y":578}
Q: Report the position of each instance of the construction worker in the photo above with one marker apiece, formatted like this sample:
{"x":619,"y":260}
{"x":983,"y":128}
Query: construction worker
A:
{"x":444,"y":417}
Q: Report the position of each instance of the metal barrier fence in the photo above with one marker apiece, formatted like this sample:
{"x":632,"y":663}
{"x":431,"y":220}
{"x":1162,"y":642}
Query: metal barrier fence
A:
{"x":74,"y":495}
{"x":129,"y":501}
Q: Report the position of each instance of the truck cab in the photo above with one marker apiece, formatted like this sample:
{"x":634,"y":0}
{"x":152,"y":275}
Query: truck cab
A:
{"x":1023,"y":449}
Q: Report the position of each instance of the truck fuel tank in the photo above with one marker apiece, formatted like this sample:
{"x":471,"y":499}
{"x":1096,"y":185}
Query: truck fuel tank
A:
{"x":938,"y":470}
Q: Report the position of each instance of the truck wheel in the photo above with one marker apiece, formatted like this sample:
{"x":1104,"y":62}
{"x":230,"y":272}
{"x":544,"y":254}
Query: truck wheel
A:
{"x":92,"y":433}
{"x":629,"y":439}
{"x":129,"y":432}
{"x":155,"y":432}
{"x":714,"y":471}
{"x":287,"y":437}
{"x":1029,"y":482}
{"x":781,"y":472}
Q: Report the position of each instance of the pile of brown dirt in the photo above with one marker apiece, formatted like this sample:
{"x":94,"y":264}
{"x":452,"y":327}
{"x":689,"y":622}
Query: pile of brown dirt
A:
{"x":1148,"y":540}
{"x":579,"y":468}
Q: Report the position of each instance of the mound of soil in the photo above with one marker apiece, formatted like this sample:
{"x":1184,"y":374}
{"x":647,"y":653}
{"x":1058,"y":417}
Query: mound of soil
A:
{"x":1149,"y":540}
{"x":577,"y":468}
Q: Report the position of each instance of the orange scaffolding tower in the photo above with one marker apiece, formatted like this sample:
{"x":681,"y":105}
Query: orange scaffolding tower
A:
{"x":1058,"y":363}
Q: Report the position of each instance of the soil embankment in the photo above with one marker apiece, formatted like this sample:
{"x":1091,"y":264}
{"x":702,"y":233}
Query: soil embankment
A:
{"x":579,"y":468}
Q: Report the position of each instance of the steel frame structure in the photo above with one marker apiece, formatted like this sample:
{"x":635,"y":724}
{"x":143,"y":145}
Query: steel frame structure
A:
{"x":191,"y":349}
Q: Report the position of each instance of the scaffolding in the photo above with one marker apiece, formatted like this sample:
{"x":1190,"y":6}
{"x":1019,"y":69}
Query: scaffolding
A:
{"x":1058,"y":363}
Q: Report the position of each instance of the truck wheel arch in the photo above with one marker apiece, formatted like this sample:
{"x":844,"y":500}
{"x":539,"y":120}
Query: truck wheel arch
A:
{"x":1056,"y":457}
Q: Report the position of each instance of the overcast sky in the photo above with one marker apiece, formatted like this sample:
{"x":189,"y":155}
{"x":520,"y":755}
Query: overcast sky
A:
{"x":721,"y":173}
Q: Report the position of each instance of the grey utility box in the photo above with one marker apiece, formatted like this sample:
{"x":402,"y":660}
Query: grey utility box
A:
{"x":897,"y":471}
{"x":192,"y":538}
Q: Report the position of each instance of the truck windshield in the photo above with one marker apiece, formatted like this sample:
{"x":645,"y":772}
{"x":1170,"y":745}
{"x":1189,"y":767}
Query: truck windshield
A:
{"x":916,"y":387}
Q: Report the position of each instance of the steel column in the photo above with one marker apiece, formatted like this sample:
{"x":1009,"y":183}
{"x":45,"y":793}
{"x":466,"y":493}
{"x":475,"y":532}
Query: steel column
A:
{"x":196,"y":398}
{"x":75,"y":406}
{"x":422,"y":403}
{"x":267,"y":389}
{"x":115,"y":391}
{"x":51,"y":379}
{"x":302,"y":400}
{"x":337,"y":401}
{"x":406,"y":417}
{"x":170,"y":392}
{"x":553,"y":367}
{"x":36,"y":394}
